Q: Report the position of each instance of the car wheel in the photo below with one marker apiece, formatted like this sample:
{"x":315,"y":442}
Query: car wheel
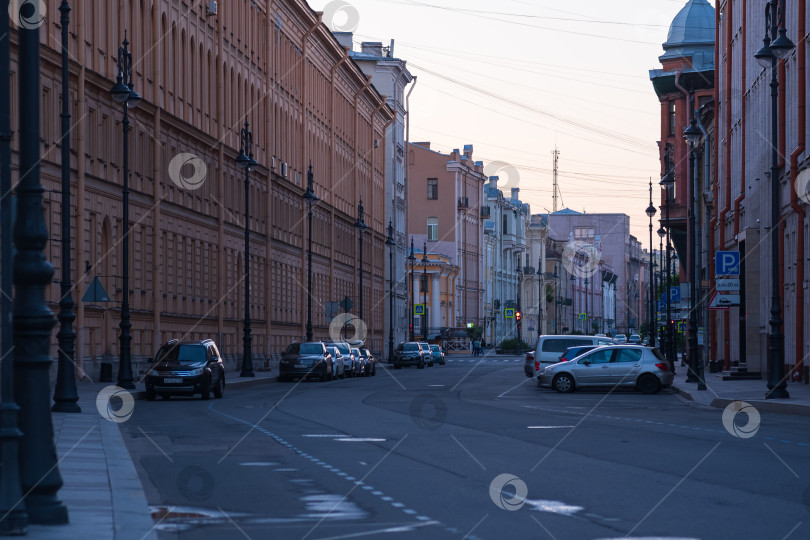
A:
{"x":219,"y":391}
{"x":206,"y":388}
{"x":282,"y":378}
{"x":649,"y":384}
{"x":374,"y":372}
{"x":150,"y":395}
{"x":397,"y":366}
{"x":563,"y":383}
{"x":420,"y":365}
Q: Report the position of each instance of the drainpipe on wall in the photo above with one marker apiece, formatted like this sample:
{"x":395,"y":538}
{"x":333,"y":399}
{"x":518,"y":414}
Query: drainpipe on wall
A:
{"x":705,"y":249}
{"x":800,"y":370}
{"x":408,"y":156}
{"x":727,"y":187}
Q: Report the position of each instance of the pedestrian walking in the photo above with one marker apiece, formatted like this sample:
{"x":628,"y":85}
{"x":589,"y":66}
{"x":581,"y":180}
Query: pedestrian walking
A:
{"x":476,"y":347}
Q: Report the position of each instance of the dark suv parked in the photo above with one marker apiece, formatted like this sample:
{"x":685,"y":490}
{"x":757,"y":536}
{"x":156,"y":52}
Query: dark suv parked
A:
{"x":307,"y":359}
{"x":185,"y":369}
{"x":409,"y":354}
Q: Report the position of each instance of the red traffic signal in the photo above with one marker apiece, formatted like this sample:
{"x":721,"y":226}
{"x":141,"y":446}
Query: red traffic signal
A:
{"x":517,"y":315}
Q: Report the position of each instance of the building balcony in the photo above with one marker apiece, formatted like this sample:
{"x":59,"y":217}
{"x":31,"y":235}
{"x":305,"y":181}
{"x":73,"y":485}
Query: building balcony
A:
{"x":485,"y":212}
{"x":463,"y":202}
{"x":528,"y":270}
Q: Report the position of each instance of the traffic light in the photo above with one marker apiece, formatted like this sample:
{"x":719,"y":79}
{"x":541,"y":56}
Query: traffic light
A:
{"x":517,"y":315}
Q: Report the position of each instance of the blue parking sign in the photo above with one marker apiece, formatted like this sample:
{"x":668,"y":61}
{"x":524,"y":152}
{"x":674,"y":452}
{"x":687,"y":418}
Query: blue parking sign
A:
{"x":727,"y":263}
{"x":675,"y":294}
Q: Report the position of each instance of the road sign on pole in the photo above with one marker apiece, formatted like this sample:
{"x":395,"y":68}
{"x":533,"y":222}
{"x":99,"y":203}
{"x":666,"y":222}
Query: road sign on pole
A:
{"x":724,"y":301}
{"x":727,"y":284}
{"x":675,"y":294}
{"x":419,"y":309}
{"x":727,"y":263}
{"x":509,"y":313}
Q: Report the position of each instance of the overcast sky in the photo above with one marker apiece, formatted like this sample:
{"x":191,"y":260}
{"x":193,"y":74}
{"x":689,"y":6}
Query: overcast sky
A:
{"x":516,"y":78}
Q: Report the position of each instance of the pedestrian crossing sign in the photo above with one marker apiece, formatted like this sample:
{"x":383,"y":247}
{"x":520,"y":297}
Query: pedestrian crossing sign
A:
{"x":583,"y":316}
{"x":419,"y":309}
{"x":509,"y":313}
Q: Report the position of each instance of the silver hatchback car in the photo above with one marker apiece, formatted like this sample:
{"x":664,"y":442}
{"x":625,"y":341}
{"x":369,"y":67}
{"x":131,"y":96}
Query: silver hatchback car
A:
{"x":631,"y":366}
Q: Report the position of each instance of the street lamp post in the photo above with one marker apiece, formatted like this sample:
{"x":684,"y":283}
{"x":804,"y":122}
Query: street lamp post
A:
{"x":651,"y":319}
{"x":587,"y":319}
{"x":411,"y":297}
{"x":39,"y":477}
{"x":667,"y":181}
{"x":572,"y":280}
{"x":123,"y":93}
{"x":65,"y":394}
{"x":310,"y":198}
{"x":776,"y":46}
{"x":518,"y":314}
{"x":424,"y":292}
{"x":361,"y":226}
{"x":539,"y":296}
{"x":556,"y":301}
{"x":661,"y":287}
{"x":15,"y":521}
{"x":245,"y":161}
{"x":390,"y":243}
{"x":692,"y":136}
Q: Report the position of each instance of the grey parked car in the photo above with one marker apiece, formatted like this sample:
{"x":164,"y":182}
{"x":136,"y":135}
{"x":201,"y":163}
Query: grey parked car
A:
{"x":632,"y":366}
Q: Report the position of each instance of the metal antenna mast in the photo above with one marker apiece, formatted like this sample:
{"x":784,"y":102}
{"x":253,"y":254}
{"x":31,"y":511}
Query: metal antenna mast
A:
{"x":556,"y":155}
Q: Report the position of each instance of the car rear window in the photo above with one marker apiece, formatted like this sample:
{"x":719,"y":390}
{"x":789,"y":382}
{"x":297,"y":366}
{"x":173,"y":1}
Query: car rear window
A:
{"x":410,"y":347}
{"x":629,"y":355}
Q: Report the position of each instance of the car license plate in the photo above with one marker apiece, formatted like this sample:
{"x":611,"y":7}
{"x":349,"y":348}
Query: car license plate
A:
{"x":172,"y":380}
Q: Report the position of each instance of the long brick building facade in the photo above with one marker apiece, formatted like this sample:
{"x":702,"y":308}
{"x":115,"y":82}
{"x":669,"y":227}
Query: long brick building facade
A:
{"x":273,"y":64}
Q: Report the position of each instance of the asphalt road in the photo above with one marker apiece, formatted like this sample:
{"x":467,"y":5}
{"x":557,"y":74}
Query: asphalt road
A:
{"x":421,"y":453}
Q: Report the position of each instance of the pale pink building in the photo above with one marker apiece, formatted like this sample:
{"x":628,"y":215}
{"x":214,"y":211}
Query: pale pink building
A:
{"x":444,"y":203}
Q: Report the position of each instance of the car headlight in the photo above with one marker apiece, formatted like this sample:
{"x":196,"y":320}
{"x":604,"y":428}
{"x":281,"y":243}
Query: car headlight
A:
{"x":195,"y":372}
{"x":154,"y":373}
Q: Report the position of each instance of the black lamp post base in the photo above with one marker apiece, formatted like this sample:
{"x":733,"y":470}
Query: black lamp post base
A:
{"x":14,"y":524}
{"x":777,"y":393}
{"x":66,"y":406}
{"x":46,"y":510}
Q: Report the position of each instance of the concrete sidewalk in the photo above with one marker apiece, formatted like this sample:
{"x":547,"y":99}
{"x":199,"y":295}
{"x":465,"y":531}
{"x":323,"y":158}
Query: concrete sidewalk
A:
{"x":102,"y":491}
{"x":720,"y":393}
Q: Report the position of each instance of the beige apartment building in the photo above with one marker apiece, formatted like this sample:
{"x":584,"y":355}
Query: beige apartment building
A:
{"x":445,"y":194}
{"x":201,"y":76}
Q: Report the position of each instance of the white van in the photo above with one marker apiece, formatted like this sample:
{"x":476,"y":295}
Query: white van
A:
{"x":549,"y":348}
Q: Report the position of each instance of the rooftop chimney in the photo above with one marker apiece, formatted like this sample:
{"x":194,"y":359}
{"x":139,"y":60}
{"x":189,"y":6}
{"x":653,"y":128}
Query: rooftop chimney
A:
{"x":374,"y":48}
{"x":515,"y":194}
{"x":345,"y":39}
{"x":493,"y":182}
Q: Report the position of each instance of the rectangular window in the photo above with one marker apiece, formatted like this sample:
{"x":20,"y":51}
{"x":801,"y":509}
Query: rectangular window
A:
{"x":433,"y":229}
{"x":671,"y":118}
{"x":433,"y":188}
{"x":424,"y":284}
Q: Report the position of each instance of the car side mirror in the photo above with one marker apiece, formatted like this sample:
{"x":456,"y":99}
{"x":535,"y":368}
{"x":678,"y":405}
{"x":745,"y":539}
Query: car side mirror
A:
{"x":585,"y":361}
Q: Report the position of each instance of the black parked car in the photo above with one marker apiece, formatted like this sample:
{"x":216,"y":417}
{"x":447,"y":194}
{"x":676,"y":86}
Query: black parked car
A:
{"x":307,"y":359}
{"x":185,"y":369}
{"x":409,"y":354}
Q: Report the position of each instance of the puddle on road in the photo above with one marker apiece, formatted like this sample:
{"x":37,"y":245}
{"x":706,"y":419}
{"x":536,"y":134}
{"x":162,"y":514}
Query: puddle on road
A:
{"x":554,"y":507}
{"x":319,"y":506}
{"x":325,"y":506}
